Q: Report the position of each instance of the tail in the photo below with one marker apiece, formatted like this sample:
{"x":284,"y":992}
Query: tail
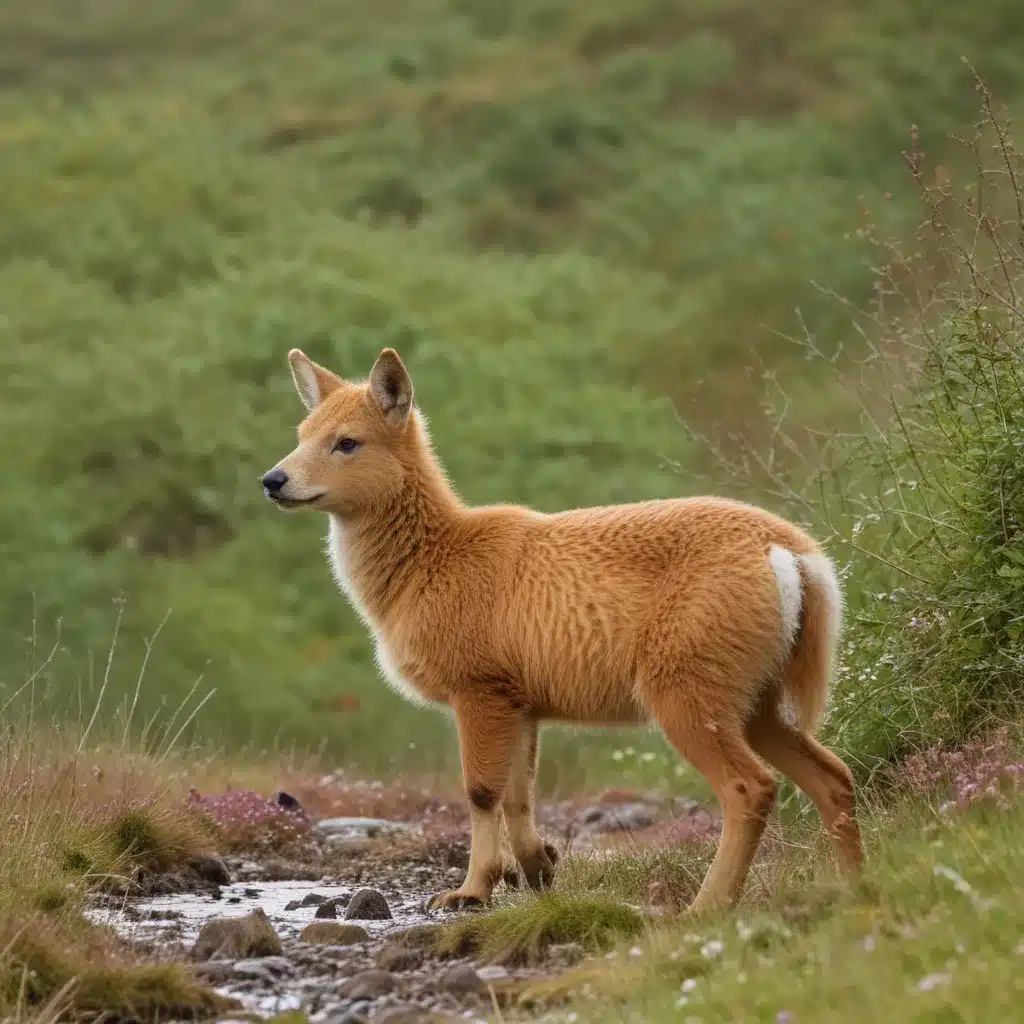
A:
{"x":815,"y":638}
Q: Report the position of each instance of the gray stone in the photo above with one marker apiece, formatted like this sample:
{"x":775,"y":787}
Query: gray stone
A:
{"x":236,"y":938}
{"x":461,"y":980}
{"x":492,"y":972}
{"x":622,"y":817}
{"x":358,"y":828}
{"x":368,"y":985}
{"x":397,"y":957}
{"x":368,"y":905}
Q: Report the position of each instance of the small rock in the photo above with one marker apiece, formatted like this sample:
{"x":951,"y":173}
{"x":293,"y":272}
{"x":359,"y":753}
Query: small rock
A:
{"x":624,"y":817}
{"x":287,"y":802}
{"x":252,"y":893}
{"x":348,"y":1018}
{"x":211,"y":869}
{"x":214,"y":971}
{"x":237,"y":938}
{"x":566,"y":954}
{"x":293,"y":905}
{"x":461,"y":980}
{"x":492,"y":973}
{"x":327,"y":910}
{"x":333,"y":933}
{"x":234,"y":899}
{"x":312,"y":899}
{"x":358,"y":828}
{"x":368,"y":985}
{"x":267,"y":967}
{"x":398,"y":958}
{"x":368,"y":905}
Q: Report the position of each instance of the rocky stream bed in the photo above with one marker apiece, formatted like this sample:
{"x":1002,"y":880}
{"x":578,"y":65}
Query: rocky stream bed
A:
{"x":338,"y":932}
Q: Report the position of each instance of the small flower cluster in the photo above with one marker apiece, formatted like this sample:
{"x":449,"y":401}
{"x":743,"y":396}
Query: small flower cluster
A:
{"x":248,"y":819}
{"x":984,"y":769}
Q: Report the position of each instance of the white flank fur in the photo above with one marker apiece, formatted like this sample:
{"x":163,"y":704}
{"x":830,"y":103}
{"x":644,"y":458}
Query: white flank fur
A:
{"x":787,"y":576}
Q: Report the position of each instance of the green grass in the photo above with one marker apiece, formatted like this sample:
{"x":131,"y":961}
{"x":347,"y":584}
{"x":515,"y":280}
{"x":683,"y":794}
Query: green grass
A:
{"x":567,"y":216}
{"x":930,"y":933}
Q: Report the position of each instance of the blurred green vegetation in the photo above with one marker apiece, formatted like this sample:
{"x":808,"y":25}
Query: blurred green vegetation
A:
{"x":572,"y":217}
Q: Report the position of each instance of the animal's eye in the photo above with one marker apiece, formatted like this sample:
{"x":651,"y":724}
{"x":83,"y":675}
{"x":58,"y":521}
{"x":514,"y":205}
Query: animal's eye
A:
{"x":346,"y":445}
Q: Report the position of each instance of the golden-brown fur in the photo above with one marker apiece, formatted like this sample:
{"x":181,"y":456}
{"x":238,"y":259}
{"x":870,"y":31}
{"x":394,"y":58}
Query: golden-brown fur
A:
{"x":705,"y":615}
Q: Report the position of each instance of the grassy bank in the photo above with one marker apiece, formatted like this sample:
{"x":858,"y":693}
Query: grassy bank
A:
{"x":628,"y":199}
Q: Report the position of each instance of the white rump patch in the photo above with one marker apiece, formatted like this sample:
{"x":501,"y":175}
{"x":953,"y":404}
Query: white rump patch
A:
{"x":787,"y":576}
{"x":821,"y":571}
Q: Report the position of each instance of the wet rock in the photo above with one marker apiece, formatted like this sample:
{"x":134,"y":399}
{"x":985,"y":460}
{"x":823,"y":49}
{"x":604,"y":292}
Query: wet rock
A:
{"x":211,"y":869}
{"x":333,"y":933}
{"x":396,"y":957}
{"x":565,"y":954}
{"x":329,"y":908}
{"x":266,"y":968}
{"x":349,"y":1018}
{"x":358,"y":828}
{"x":312,"y":899}
{"x":237,"y":938}
{"x":492,"y":973}
{"x":370,"y":984}
{"x":461,"y":980}
{"x":368,"y":905}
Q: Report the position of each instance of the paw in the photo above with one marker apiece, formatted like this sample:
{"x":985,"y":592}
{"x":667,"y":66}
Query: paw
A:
{"x":454,"y":899}
{"x":539,"y":867}
{"x":510,"y":875}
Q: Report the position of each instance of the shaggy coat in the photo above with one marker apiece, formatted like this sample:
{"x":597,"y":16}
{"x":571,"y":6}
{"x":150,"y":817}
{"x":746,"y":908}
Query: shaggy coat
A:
{"x":715,"y":619}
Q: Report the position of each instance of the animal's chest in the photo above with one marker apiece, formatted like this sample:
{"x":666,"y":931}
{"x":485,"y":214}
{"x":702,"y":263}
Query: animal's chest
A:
{"x":404,"y":663}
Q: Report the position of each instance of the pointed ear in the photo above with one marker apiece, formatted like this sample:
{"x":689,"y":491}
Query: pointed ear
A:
{"x":391,"y":386}
{"x":312,"y":381}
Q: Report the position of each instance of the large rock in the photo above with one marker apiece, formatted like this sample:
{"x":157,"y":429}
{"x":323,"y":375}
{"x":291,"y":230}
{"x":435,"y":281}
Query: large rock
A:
{"x":236,"y":938}
{"x":333,"y":933}
{"x":368,"y":905}
{"x":370,"y":984}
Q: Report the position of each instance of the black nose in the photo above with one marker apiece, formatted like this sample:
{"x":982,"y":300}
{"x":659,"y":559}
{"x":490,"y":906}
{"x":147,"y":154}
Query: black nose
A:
{"x":274,"y":481}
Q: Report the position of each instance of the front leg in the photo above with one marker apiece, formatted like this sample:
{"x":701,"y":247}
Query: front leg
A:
{"x":488,"y":730}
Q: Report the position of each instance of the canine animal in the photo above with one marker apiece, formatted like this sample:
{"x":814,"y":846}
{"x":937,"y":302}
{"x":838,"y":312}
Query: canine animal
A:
{"x":712,"y":618}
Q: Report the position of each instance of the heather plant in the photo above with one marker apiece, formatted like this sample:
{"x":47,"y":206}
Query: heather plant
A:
{"x":245,"y":820}
{"x":985,"y":770}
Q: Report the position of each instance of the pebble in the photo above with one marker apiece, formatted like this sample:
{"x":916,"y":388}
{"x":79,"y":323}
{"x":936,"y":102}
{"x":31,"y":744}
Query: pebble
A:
{"x":333,"y":933}
{"x":368,"y":905}
{"x":398,"y":957}
{"x":358,"y":828}
{"x":368,"y":985}
{"x":461,"y":980}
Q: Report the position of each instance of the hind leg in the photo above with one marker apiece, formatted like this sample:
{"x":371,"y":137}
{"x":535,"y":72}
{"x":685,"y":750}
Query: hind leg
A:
{"x":536,"y":857}
{"x":743,"y":784}
{"x":817,"y":771}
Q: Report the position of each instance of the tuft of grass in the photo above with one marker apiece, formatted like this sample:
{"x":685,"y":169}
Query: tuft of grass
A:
{"x":523,"y":931}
